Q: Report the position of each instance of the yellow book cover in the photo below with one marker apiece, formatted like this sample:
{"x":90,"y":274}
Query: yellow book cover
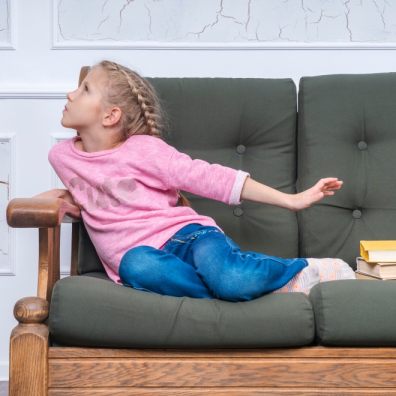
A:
{"x":374,"y":251}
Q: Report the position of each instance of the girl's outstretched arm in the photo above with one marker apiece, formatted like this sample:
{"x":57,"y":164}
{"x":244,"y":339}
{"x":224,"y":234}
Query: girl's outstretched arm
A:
{"x":258,"y":192}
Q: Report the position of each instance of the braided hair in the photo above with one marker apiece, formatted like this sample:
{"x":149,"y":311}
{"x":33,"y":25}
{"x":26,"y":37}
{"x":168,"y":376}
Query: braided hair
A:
{"x":142,"y":112}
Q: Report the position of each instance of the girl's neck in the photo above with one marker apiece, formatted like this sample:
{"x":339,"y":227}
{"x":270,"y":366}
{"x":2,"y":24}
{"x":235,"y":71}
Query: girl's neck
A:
{"x":91,"y":145}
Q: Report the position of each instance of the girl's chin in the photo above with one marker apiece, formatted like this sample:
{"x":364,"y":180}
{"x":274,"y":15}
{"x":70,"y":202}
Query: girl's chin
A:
{"x":65,"y":123}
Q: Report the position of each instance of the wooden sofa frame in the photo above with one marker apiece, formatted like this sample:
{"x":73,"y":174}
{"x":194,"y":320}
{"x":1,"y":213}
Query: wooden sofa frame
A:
{"x":37,"y":369}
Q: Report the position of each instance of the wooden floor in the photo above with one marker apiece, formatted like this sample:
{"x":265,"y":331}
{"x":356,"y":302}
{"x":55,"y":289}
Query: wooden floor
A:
{"x":3,"y":388}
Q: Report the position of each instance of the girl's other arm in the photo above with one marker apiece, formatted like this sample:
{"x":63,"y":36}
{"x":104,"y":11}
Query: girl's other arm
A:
{"x":258,"y":192}
{"x":68,"y":206}
{"x":57,"y":193}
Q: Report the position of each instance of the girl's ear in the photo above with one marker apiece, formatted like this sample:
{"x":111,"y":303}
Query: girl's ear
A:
{"x":112,"y":116}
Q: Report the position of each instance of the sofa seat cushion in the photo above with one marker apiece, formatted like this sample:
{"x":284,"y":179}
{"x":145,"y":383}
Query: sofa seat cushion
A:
{"x":355,"y":312}
{"x":94,"y":311}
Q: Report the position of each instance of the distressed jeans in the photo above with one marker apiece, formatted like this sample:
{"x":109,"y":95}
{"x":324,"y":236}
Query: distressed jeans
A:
{"x":203,"y":262}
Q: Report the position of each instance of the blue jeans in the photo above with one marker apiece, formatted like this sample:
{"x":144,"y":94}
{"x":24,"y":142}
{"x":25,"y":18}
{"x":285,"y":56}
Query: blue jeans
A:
{"x":203,"y":262}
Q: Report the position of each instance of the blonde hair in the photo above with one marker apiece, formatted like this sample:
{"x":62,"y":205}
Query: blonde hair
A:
{"x":142,"y":111}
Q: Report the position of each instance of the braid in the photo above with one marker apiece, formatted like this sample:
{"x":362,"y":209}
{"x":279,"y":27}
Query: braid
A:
{"x":147,"y":110}
{"x":142,"y":111}
{"x":149,"y":117}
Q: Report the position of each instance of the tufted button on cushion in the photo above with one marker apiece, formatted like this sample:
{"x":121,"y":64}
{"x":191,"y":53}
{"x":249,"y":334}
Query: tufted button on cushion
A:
{"x":238,"y":211}
{"x":241,"y":149}
{"x":357,"y":214}
{"x":362,"y":145}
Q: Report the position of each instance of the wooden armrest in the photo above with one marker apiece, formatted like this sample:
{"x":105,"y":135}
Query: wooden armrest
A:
{"x":48,"y":209}
{"x":31,"y":310}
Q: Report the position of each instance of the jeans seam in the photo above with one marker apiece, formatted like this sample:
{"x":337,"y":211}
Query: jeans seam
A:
{"x":177,"y":240}
{"x":192,"y":235}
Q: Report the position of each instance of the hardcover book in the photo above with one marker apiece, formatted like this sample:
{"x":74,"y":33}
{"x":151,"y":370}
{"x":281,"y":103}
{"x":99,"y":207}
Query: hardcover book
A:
{"x":379,"y":270}
{"x":368,"y":277}
{"x":375,"y":251}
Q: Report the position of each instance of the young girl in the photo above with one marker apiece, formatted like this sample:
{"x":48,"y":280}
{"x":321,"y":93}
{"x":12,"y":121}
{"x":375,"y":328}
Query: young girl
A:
{"x":126,"y":180}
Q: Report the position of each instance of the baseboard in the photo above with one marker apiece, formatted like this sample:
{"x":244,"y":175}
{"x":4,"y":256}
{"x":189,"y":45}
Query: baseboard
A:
{"x":4,"y":371}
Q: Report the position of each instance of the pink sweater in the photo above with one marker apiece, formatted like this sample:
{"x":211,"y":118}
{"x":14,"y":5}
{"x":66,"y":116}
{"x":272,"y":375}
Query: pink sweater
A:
{"x":128,"y":196}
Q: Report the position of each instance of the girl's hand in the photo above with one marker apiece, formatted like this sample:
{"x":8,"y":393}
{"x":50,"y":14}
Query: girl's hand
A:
{"x":321,"y":189}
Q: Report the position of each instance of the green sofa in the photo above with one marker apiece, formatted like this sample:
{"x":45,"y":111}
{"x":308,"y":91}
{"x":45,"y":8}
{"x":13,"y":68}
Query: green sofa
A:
{"x":339,"y":125}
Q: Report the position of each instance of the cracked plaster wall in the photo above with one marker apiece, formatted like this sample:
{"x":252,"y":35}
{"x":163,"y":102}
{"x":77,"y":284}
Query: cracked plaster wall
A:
{"x":227,"y":21}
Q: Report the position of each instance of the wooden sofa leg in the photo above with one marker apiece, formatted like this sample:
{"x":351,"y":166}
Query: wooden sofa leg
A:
{"x":29,"y":349}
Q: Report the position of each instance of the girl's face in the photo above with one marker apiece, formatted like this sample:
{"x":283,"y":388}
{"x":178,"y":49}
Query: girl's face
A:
{"x":85,"y":106}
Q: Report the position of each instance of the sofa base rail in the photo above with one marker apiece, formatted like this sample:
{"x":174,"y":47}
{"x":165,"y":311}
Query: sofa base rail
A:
{"x":218,"y":392}
{"x":298,"y":371}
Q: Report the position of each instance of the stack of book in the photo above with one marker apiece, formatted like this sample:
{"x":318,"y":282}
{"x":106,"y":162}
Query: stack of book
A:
{"x":377,"y":261}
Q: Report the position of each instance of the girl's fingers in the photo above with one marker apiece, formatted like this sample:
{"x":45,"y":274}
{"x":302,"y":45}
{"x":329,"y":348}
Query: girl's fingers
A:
{"x":328,"y":183}
{"x":334,"y":184}
{"x":328,"y":188}
{"x":333,"y":187}
{"x":329,"y":179}
{"x":333,"y":181}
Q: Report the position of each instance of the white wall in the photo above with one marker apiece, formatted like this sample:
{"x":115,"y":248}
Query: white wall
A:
{"x":43,"y":44}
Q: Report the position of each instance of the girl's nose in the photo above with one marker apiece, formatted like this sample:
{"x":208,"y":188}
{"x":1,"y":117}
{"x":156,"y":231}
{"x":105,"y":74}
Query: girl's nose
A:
{"x":70,"y":95}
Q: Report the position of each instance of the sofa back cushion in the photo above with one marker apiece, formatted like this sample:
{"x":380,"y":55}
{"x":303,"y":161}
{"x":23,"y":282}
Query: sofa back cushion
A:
{"x":247,"y":124}
{"x":346,"y":129}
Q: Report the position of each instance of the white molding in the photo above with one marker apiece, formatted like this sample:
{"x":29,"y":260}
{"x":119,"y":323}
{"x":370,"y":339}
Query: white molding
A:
{"x":269,"y":45}
{"x":12,"y":17}
{"x":53,"y":26}
{"x":11,"y":139}
{"x":36,"y":94}
{"x":186,"y":45}
{"x":13,"y":22}
{"x":7,"y":47}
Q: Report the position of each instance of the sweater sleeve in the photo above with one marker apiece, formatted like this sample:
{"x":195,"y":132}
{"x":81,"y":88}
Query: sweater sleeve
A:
{"x":56,"y":160}
{"x":53,"y":159}
{"x":208,"y":180}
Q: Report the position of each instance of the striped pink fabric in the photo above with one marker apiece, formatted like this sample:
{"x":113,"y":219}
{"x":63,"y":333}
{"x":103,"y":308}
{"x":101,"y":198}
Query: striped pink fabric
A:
{"x":318,"y":270}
